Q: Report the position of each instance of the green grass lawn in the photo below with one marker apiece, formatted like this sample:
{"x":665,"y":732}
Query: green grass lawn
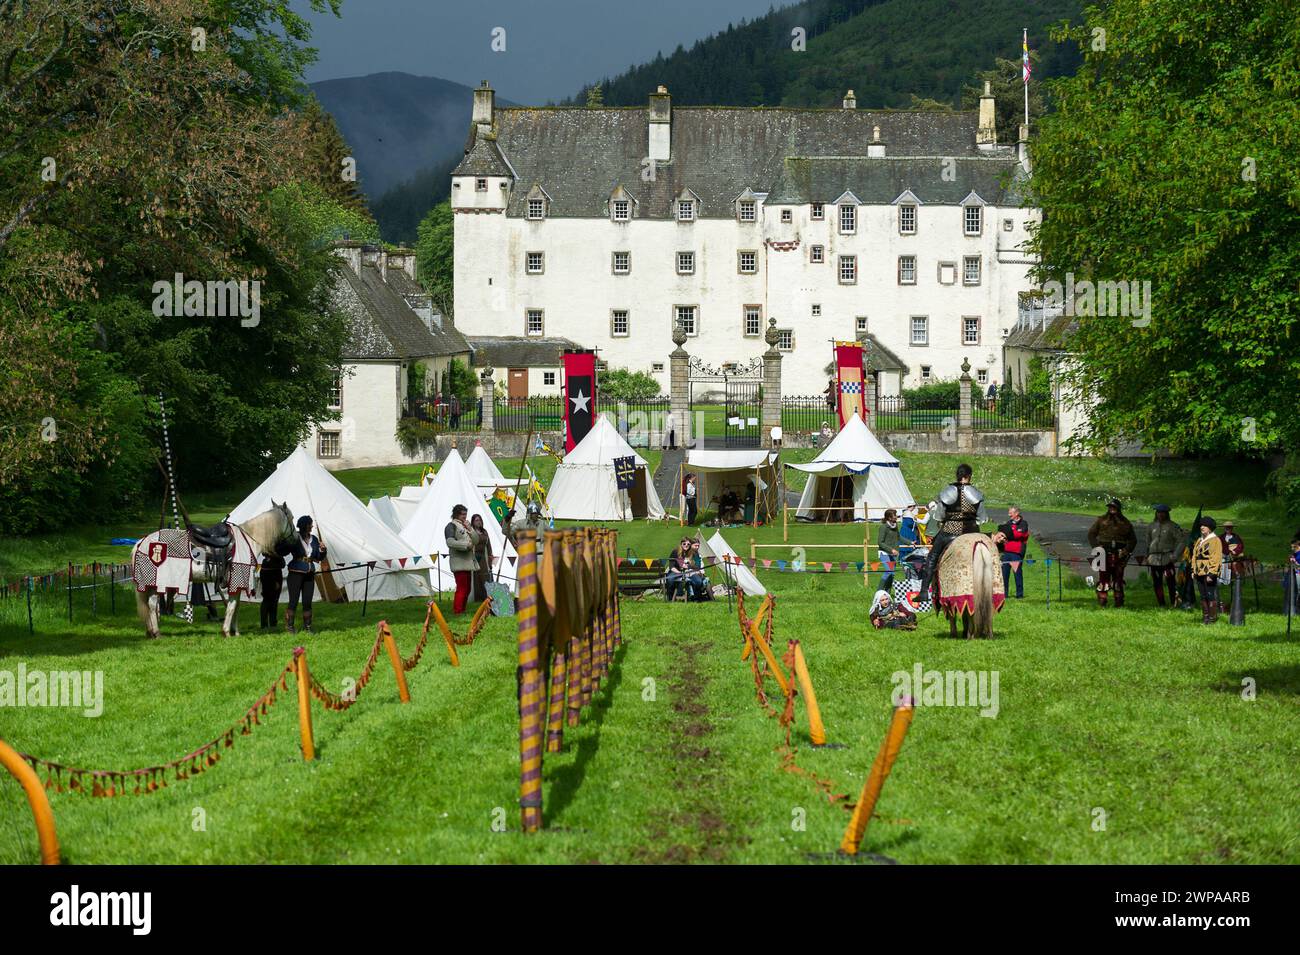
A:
{"x":1135,"y":713}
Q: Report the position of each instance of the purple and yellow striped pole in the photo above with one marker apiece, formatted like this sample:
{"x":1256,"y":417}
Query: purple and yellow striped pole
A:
{"x":530,"y":690}
{"x":555,"y":711}
{"x":574,"y":696}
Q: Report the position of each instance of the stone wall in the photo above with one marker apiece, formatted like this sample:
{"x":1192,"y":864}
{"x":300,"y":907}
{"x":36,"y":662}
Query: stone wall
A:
{"x":1030,"y":444}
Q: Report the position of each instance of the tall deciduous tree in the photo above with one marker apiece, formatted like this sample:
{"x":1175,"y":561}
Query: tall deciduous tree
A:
{"x":1173,"y":157}
{"x":434,"y":255}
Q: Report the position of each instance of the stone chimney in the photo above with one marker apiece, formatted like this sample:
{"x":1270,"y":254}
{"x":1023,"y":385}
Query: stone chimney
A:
{"x":661,"y":125}
{"x":1022,"y":147}
{"x":876,"y":148}
{"x":485,"y":99}
{"x":349,"y":252}
{"x":987,"y":134}
{"x":402,"y":259}
{"x":850,"y":100}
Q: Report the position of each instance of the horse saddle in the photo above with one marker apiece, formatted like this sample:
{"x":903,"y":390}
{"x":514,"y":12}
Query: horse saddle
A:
{"x":216,"y":537}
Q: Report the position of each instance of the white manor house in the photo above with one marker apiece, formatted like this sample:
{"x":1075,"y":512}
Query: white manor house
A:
{"x":607,"y":226}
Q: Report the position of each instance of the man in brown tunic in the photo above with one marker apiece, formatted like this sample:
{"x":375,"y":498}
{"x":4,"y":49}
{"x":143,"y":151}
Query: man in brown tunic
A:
{"x":1115,"y":537}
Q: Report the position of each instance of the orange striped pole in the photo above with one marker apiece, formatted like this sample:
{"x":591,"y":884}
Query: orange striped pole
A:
{"x":816,"y":731}
{"x":303,"y":677}
{"x":447,"y":638}
{"x":36,"y":798}
{"x":574,"y":676}
{"x":884,"y":762}
{"x":781,"y":680}
{"x":403,"y":693}
{"x":530,"y":690}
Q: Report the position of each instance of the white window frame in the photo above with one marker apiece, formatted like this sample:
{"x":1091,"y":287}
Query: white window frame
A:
{"x":782,"y":335}
{"x":548,"y":378}
{"x":614,"y":314}
{"x":979,"y":330}
{"x":787,"y":215}
{"x":685,"y":210}
{"x":740,"y":262}
{"x":541,"y":333}
{"x":620,"y":205}
{"x":746,"y":312}
{"x":926,"y":373}
{"x":817,"y":212}
{"x":901,"y":260}
{"x":924,"y":328}
{"x":848,"y":211}
{"x":852,"y":262}
{"x":816,"y":310}
{"x":982,"y":376}
{"x":541,"y":263}
{"x":336,"y":389}
{"x":336,"y":437}
{"x":860,"y":324}
{"x":613,"y":263}
{"x":817,"y":254}
{"x":695,"y":318}
{"x":966,"y":261}
{"x":747,"y":210}
{"x":480,"y":184}
{"x":978,"y":211}
{"x":911,"y":209}
{"x":690,"y":260}
{"x":541,"y":209}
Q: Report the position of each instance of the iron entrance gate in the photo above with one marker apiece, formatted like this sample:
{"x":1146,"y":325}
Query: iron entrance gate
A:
{"x":727,"y":405}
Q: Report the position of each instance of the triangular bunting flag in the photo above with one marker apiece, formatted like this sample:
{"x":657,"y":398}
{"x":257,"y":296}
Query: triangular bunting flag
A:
{"x":388,"y":564}
{"x":649,"y":561}
{"x":780,"y":564}
{"x":859,"y":565}
{"x":827,"y":565}
{"x":401,"y":561}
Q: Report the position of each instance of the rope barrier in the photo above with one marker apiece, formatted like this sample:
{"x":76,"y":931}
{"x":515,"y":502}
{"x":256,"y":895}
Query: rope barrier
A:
{"x":62,"y":778}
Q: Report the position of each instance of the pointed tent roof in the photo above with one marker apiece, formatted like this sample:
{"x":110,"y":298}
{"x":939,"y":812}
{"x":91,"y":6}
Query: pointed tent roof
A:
{"x":601,"y":446}
{"x":484,"y":472}
{"x":352,"y":534}
{"x":854,"y":449}
{"x":425,"y":529}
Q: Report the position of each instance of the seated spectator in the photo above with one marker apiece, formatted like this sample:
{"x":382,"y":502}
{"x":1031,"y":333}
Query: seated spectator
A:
{"x":729,"y":507}
{"x":685,"y":573}
{"x":885,"y":614}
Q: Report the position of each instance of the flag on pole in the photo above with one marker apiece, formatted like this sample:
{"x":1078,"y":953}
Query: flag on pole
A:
{"x":849,"y":381}
{"x":1024,"y":56}
{"x":579,"y":396}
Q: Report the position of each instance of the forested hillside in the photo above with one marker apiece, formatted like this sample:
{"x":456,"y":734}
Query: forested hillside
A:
{"x":887,"y":51}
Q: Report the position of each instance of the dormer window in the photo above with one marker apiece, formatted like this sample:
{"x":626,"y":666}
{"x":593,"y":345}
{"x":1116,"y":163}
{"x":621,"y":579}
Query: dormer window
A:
{"x":685,"y":210}
{"x":907,"y":219}
{"x":621,"y":210}
{"x":974,"y":220}
{"x":848,"y":219}
{"x":537,"y":208}
{"x":787,"y":216}
{"x":538,"y":203}
{"x":480,"y":184}
{"x":748,"y":210}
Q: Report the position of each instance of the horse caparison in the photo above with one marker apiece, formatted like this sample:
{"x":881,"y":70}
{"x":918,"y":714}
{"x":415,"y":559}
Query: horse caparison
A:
{"x":969,"y":585}
{"x":264,"y":532}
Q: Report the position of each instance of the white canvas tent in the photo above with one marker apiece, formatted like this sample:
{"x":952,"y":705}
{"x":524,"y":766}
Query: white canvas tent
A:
{"x":427,"y":526}
{"x":736,"y":573}
{"x":396,"y":511}
{"x":853,"y":471}
{"x":351,"y":534}
{"x":484,"y":472}
{"x":585,"y":488}
{"x":720,"y":471}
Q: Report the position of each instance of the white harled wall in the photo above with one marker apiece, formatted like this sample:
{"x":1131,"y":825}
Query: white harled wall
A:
{"x":577,"y":290}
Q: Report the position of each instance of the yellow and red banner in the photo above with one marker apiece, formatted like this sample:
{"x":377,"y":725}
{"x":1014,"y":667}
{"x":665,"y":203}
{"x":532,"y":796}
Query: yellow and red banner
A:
{"x":849,"y":383}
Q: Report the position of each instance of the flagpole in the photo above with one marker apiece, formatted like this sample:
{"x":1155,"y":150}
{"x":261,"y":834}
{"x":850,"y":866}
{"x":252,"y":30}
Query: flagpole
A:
{"x":1025,"y":48}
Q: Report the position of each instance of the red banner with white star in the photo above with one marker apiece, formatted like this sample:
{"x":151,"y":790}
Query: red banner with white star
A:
{"x":579,"y":396}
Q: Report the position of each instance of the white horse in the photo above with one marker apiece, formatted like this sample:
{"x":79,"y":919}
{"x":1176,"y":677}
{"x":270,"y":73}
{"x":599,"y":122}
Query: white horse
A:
{"x":264,"y":532}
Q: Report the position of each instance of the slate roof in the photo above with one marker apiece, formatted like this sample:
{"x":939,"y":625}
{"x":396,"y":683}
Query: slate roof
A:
{"x":881,"y":358}
{"x":882,"y":180}
{"x":580,"y":155}
{"x":380,"y":322}
{"x":515,"y":351}
{"x":1034,"y":334}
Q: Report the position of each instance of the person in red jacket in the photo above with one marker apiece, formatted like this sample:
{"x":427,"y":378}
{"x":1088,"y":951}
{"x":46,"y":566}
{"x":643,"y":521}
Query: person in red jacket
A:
{"x":1015,"y":534}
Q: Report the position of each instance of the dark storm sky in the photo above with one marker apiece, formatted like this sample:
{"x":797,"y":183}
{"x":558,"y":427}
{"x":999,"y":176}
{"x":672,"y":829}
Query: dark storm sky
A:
{"x":553,"y":47}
